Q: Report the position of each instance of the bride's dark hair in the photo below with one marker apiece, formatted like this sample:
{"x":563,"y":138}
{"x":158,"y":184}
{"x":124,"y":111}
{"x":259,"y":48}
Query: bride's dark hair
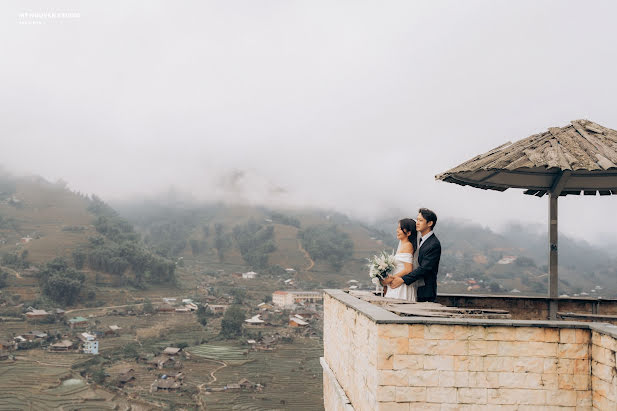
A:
{"x":408,"y":225}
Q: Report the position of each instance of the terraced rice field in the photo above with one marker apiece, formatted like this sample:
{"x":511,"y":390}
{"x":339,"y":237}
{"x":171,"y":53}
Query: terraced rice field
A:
{"x":225,"y":353}
{"x":292,"y":376}
{"x":33,"y":386}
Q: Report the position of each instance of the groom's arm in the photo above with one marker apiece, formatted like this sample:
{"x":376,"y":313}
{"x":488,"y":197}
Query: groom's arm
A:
{"x":429,"y":264}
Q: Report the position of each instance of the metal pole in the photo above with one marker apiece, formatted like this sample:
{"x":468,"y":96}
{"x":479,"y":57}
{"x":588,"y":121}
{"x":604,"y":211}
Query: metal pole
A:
{"x":553,"y":288}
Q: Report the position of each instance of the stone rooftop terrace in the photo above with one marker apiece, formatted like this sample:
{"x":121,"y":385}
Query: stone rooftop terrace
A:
{"x":375,"y":359}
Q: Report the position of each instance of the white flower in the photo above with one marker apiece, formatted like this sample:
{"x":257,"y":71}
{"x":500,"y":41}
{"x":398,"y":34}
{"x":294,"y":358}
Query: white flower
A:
{"x":375,"y":281}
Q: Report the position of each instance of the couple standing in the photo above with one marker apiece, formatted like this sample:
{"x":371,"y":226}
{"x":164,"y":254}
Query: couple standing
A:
{"x":417,"y":261}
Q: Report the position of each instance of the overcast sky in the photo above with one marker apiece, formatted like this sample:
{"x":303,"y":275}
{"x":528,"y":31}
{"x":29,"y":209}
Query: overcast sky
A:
{"x":345,"y":104}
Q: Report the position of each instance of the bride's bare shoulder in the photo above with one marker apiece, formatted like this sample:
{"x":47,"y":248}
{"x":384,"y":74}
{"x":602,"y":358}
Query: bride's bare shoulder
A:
{"x":406,"y":248}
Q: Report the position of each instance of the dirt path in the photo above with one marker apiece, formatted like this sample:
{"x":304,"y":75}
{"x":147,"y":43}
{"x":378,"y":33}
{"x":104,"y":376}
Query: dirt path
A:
{"x":11,"y":271}
{"x":202,"y":406}
{"x":306,"y":254}
{"x":104,"y":308}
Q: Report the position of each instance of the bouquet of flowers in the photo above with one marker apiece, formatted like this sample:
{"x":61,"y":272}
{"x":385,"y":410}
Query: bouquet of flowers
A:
{"x":380,"y":266}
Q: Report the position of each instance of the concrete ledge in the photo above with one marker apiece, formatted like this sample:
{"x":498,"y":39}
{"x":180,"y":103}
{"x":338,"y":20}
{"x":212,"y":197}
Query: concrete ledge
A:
{"x":528,"y":297}
{"x":339,"y":392}
{"x":382,"y":316}
{"x":608,"y":329}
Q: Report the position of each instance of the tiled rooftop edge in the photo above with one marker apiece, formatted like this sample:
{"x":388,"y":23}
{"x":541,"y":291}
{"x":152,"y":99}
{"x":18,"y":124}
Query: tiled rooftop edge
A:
{"x":382,"y":316}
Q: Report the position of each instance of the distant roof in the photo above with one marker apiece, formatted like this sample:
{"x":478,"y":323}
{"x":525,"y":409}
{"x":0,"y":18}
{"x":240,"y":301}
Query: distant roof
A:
{"x":37,"y":312}
{"x":298,"y":321}
{"x":115,"y":327}
{"x":171,"y":350}
{"x":78,"y":320}
{"x":63,"y":344}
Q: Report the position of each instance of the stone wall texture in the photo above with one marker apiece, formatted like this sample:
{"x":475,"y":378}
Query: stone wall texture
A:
{"x":603,"y":371}
{"x":465,"y":367}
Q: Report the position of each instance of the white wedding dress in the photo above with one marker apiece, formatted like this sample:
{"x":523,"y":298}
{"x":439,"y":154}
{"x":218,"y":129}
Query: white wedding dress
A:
{"x":404,"y":292}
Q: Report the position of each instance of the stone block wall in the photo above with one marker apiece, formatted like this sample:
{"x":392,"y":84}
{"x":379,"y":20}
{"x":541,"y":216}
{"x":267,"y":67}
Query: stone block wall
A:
{"x":429,"y":366}
{"x":386,"y":362}
{"x":350,"y":339}
{"x":604,"y":371}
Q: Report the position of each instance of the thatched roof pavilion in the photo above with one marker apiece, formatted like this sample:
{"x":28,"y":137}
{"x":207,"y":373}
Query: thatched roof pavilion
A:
{"x":578,"y":158}
{"x":584,"y":152}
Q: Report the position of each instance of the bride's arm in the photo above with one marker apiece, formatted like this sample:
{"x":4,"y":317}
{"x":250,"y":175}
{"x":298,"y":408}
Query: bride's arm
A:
{"x":408,"y":267}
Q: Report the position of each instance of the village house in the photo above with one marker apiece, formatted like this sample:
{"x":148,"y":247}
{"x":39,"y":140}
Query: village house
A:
{"x":166,"y":384}
{"x":218,"y":308}
{"x":78,"y":322}
{"x":233,"y":387}
{"x":6,"y":345}
{"x":19,"y":340}
{"x":89,"y":343}
{"x":297,"y":322}
{"x":36,"y":314}
{"x":86,"y":337}
{"x":172,"y":351}
{"x":126,"y":375}
{"x":191,"y":306}
{"x":265,"y":306}
{"x":183,"y":310}
{"x":164,"y":361}
{"x":249,"y":275}
{"x":255,"y":321}
{"x":165,"y":308}
{"x":113,"y":330}
{"x":62,"y":346}
{"x":32,"y":335}
{"x":308,"y":315}
{"x":290,"y":298}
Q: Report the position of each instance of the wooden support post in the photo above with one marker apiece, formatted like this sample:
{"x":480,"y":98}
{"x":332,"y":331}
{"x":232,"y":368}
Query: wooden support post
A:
{"x":553,"y":277}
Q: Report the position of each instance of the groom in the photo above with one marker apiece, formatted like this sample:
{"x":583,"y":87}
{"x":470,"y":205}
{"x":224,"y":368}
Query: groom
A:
{"x":429,"y":253}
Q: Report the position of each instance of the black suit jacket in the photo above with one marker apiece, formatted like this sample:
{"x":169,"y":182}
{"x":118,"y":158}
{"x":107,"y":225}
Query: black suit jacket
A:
{"x":428,"y":265}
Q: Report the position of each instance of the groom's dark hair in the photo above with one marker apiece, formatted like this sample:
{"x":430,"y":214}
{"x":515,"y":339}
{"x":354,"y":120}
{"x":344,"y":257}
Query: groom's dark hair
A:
{"x":429,"y":215}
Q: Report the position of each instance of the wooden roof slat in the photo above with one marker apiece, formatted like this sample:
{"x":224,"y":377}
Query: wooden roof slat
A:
{"x":561,"y":157}
{"x":579,"y":155}
{"x":604,"y":162}
{"x":598,"y":145}
{"x":517,"y":150}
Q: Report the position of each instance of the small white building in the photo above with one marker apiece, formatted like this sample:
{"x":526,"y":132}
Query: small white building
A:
{"x":91,"y":347}
{"x":508,"y":259}
{"x":255,"y":320}
{"x":290,"y":298}
{"x":191,"y":306}
{"x":249,"y":275}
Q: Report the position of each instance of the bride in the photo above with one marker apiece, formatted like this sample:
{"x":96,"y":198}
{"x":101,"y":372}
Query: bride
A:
{"x":406,"y":259}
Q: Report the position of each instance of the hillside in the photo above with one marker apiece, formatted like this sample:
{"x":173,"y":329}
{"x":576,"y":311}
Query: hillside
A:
{"x":61,"y":247}
{"x":475,"y":258}
{"x":40,"y":221}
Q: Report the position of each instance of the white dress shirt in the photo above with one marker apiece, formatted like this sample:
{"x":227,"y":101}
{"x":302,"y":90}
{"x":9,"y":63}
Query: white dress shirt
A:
{"x":424,"y":238}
